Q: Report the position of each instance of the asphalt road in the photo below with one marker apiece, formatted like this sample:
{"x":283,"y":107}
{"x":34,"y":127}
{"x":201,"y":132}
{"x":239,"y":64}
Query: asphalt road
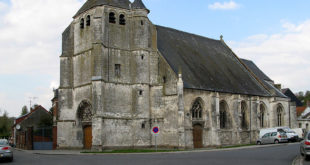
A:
{"x":269,"y":155}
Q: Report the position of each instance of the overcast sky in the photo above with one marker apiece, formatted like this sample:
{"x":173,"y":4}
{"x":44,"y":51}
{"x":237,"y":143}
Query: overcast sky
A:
{"x":274,"y":34}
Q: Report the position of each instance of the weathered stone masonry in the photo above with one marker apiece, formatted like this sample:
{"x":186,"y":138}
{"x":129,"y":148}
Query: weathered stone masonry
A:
{"x":120,"y":75}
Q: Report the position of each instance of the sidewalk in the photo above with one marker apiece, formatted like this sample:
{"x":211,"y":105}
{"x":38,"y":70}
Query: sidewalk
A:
{"x":78,"y":152}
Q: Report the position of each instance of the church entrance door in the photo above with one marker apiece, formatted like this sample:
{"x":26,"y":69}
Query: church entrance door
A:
{"x":197,"y":136}
{"x":88,"y":137}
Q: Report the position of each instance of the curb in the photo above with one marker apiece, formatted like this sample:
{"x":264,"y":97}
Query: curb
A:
{"x":69,"y":152}
{"x":299,"y":160}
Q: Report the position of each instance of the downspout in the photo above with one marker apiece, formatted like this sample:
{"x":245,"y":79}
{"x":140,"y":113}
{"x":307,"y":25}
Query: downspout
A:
{"x":250,"y":119}
{"x":289,"y":113}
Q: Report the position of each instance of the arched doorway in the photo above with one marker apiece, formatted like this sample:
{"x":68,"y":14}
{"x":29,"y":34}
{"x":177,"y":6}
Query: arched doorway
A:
{"x":85,"y":118}
{"x":197,"y":136}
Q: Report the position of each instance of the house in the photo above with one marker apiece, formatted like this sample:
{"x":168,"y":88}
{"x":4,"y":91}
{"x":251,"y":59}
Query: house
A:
{"x":304,"y":118}
{"x":120,"y":76}
{"x":32,"y":131}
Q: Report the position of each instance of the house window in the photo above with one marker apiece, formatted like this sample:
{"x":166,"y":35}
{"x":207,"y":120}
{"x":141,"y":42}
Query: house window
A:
{"x":88,"y":20}
{"x":122,"y":20}
{"x":143,"y":126}
{"x":243,"y":115}
{"x":223,"y":115}
{"x":300,"y":125}
{"x":117,"y":70}
{"x":142,"y":56}
{"x":82,"y":23}
{"x":140,"y":92}
{"x":112,"y":17}
{"x":197,"y":109}
{"x":279,"y":115}
{"x":142,"y":23}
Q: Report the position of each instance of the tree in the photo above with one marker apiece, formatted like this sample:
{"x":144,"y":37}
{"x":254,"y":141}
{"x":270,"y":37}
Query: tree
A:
{"x":24,"y":110}
{"x":5,"y":125}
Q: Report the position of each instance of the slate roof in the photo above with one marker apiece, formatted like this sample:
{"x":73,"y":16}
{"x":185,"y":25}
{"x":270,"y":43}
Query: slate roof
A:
{"x":138,"y":4}
{"x":268,"y":83}
{"x":291,"y":95}
{"x":206,"y":64}
{"x":125,"y":4}
{"x":259,"y":73}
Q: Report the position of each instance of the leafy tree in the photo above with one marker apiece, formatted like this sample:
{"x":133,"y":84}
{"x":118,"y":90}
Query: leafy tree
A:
{"x":5,"y":125}
{"x":24,"y":110}
{"x":303,"y":97}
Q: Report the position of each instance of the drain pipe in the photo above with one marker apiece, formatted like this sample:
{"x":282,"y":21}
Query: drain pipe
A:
{"x":250,"y":119}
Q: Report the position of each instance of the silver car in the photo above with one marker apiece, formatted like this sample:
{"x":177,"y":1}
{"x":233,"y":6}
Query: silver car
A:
{"x":6,"y":152}
{"x":305,"y":146}
{"x":272,"y":137}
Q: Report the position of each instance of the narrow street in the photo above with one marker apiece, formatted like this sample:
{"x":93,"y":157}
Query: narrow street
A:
{"x":282,"y":154}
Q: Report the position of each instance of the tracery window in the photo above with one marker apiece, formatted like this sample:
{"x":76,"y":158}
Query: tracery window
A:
{"x":243,"y":115}
{"x":85,"y":112}
{"x":280,"y":115}
{"x":197,"y":110}
{"x":262,"y":116}
{"x":223,"y":115}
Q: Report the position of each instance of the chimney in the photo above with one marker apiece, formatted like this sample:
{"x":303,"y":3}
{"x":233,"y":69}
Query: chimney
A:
{"x":278,"y":86}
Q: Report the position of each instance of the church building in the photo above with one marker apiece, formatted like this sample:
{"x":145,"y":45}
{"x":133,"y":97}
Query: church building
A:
{"x":121,"y":75}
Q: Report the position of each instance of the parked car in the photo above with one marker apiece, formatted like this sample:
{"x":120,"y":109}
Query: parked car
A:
{"x":305,"y":146}
{"x":5,"y":150}
{"x":300,"y":132}
{"x":291,"y":135}
{"x":272,"y":137}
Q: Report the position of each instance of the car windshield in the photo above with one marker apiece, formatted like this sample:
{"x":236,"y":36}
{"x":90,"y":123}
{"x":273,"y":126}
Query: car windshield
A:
{"x":3,"y":142}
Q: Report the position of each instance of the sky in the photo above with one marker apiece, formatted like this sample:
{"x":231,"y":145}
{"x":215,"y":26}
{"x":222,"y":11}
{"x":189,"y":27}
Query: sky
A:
{"x":275,"y":34}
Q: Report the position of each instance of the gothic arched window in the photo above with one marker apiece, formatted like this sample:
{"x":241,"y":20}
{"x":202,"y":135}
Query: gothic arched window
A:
{"x":280,"y":115}
{"x":262,"y":115}
{"x":112,"y":17}
{"x":223,"y":115}
{"x":244,"y":124}
{"x":122,"y":20}
{"x":88,"y":20}
{"x":82,"y":23}
{"x":197,"y":110}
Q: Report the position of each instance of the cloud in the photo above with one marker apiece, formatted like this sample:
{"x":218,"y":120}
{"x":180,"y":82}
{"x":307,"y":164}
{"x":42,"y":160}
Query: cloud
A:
{"x":30,"y":44}
{"x":231,"y":5}
{"x":284,"y":56}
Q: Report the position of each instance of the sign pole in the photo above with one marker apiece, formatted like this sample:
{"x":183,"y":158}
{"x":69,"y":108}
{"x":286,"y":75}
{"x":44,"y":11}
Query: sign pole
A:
{"x":156,"y":143}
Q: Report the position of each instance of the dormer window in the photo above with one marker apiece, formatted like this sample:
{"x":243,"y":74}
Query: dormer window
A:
{"x":122,"y":20}
{"x":112,"y":17}
{"x":88,"y":20}
{"x":82,"y":23}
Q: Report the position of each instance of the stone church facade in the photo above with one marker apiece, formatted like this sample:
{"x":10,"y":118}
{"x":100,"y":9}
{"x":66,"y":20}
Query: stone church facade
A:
{"x":120,"y":75}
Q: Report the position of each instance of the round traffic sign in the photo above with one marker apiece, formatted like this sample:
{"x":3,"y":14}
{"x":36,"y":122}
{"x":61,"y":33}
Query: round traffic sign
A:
{"x":155,"y":130}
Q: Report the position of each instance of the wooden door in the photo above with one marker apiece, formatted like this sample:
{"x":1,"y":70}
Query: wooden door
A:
{"x":88,"y":137}
{"x":197,"y":136}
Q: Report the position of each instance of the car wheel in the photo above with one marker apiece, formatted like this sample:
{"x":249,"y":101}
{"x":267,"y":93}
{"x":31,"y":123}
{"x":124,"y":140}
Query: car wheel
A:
{"x":11,"y":159}
{"x":307,"y":157}
{"x":259,"y":143}
{"x":302,"y":154}
{"x":276,"y":142}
